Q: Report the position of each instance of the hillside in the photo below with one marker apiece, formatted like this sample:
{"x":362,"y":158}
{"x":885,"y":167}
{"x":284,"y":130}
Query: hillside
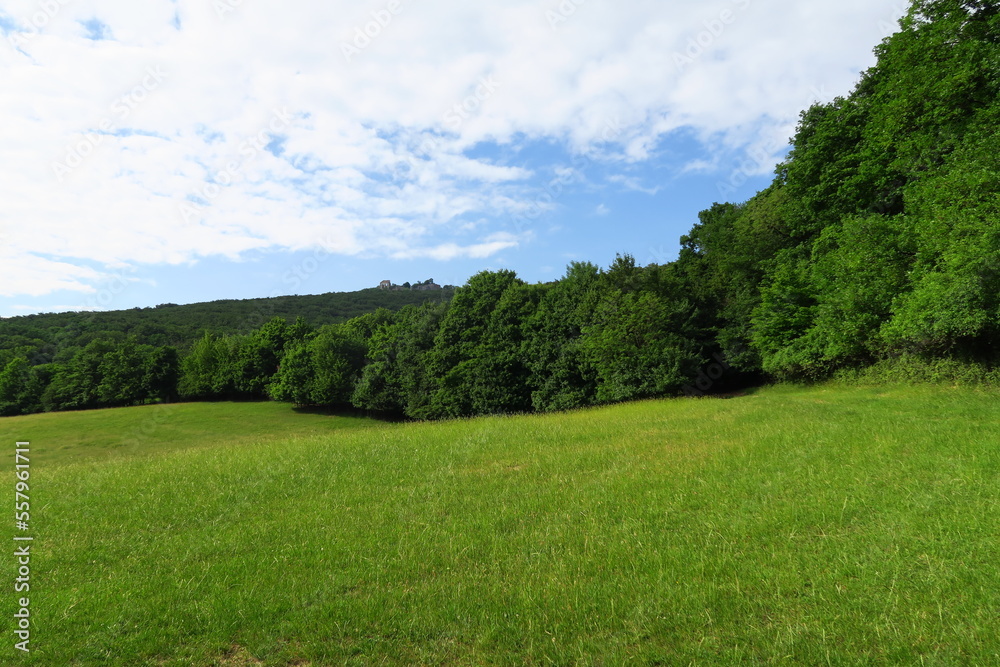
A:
{"x":804,"y":526}
{"x":48,"y":335}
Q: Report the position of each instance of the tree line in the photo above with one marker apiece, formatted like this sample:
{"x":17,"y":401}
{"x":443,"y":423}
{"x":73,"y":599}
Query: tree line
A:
{"x":876,"y":245}
{"x":500,"y":345}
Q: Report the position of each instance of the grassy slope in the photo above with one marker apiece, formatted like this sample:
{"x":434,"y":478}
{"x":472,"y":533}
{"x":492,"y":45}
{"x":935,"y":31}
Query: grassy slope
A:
{"x":826,"y":525}
{"x":99,"y":435}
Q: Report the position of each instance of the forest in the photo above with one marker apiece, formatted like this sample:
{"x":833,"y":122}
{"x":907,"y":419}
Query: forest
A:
{"x":875,"y":250}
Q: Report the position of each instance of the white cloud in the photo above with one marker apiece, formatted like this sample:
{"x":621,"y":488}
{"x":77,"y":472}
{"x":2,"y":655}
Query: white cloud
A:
{"x":153,"y":146}
{"x":34,"y":275}
{"x":448,"y":251}
{"x":633,"y":183}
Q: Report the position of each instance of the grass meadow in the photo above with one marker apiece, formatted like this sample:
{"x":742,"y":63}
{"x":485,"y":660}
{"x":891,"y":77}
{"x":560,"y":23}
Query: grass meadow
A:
{"x":829,"y":525}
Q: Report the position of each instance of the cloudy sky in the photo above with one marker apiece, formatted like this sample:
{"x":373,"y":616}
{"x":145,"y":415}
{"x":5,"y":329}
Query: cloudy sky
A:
{"x":191,"y":150}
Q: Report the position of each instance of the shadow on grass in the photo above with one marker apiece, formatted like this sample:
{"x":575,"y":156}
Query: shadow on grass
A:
{"x":347,"y":411}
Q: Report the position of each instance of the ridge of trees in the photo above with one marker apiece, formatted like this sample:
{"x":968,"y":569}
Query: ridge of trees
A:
{"x":49,"y":337}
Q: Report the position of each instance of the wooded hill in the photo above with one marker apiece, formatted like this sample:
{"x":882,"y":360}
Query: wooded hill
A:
{"x":57,"y":336}
{"x":877,"y":246}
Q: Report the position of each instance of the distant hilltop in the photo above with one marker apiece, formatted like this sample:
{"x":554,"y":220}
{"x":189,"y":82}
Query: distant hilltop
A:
{"x":428,"y":284}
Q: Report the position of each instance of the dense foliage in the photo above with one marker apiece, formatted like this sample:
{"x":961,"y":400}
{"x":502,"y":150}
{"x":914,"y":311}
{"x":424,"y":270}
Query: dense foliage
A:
{"x":66,"y":361}
{"x":877,"y":241}
{"x":57,"y":336}
{"x":879,"y":237}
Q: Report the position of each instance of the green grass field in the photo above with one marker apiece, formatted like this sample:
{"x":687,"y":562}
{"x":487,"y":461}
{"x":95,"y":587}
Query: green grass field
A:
{"x":817,"y":526}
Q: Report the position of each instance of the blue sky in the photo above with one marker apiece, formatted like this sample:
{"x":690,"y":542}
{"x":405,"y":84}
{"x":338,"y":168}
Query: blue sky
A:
{"x":191,"y":150}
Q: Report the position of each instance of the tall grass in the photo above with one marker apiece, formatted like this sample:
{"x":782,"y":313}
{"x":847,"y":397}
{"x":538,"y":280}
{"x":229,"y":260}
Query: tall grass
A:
{"x":827,"y":525}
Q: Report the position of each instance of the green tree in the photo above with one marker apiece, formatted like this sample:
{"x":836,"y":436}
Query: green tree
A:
{"x":952,"y":305}
{"x":124,"y":374}
{"x":640,"y":342}
{"x":163,"y":374}
{"x":76,"y":384}
{"x":256,"y":357}
{"x":786,"y":313}
{"x":322,"y":371}
{"x":457,"y":355}
{"x":861,"y":267}
{"x":205,"y":369}
{"x":396,"y":379}
{"x":561,"y":376}
{"x":20,"y":388}
{"x":498,"y":378}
